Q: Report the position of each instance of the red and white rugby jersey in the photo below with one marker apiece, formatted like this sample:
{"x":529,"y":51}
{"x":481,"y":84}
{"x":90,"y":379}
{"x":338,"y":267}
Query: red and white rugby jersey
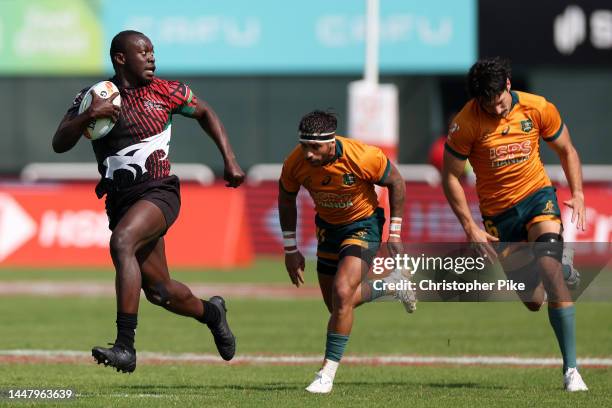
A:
{"x":137,"y":147}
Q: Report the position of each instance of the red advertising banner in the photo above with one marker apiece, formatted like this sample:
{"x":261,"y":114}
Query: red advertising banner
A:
{"x":65,"y":225}
{"x":427,"y":217}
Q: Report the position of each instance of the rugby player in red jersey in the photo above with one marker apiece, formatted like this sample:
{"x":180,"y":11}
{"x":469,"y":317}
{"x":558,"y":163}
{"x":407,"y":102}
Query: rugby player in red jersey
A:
{"x":142,"y":198}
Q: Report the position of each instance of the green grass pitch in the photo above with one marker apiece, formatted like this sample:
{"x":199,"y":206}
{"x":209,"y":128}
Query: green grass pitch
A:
{"x":297,"y":327}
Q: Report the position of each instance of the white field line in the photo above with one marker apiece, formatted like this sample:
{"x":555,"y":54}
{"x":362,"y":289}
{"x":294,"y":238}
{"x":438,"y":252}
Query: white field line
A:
{"x":107,"y":289}
{"x":267,"y":359}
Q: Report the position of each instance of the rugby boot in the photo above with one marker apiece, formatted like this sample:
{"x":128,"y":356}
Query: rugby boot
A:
{"x":224,"y":338}
{"x":567,"y":261}
{"x":572,"y":381}
{"x":118,"y":356}
{"x":322,"y":384}
{"x":406,"y":295}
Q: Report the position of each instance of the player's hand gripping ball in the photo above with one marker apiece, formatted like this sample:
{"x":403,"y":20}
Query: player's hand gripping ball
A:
{"x":99,"y":127}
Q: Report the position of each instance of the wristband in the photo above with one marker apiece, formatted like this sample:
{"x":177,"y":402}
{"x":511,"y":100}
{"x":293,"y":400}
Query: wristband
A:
{"x":396,"y":227}
{"x":289,"y":242}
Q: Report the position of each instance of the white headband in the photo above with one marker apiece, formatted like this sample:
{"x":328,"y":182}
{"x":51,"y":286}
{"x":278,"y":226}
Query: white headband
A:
{"x":317,"y":137}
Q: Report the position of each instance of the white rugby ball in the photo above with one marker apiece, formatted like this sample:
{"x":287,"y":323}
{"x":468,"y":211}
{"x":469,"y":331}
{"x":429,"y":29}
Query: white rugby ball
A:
{"x":100,"y":127}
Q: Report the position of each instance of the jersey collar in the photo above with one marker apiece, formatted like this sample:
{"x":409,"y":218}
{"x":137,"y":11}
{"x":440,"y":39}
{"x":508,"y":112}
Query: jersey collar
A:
{"x":339,"y":151}
{"x":515,"y":99}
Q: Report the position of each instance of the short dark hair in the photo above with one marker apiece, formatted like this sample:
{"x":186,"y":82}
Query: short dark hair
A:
{"x":119,"y":40}
{"x":318,"y":121}
{"x":487,"y":77}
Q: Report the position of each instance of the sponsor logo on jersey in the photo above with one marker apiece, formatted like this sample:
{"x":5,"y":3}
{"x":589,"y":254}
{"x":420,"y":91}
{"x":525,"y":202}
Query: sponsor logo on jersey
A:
{"x":332,"y":200}
{"x":506,"y":130}
{"x":453,"y":128}
{"x":326,"y":180}
{"x":348,"y":179}
{"x":526,"y":125}
{"x":152,"y":105}
{"x":510,"y":153}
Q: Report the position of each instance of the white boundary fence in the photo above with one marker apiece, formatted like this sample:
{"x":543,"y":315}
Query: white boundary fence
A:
{"x":425,"y":173}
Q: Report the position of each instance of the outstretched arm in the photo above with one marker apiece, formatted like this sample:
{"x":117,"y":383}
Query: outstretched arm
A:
{"x":71,"y":128}
{"x":455,"y":195}
{"x":210,"y":122}
{"x":570,"y":161}
{"x":287,"y":212}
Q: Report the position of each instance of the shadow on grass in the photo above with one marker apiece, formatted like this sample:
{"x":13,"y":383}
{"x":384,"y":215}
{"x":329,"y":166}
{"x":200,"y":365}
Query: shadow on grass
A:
{"x":203,"y":388}
{"x":465,"y":385}
{"x":300,"y":386}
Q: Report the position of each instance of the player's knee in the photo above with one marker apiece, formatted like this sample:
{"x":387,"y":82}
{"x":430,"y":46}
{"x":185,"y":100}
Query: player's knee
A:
{"x":549,"y":245}
{"x":121,"y":242}
{"x":533,"y":306}
{"x":343,"y":296}
{"x":158,"y":294}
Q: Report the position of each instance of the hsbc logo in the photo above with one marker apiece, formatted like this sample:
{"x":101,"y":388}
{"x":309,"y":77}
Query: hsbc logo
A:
{"x":55,"y":229}
{"x":77,"y":229}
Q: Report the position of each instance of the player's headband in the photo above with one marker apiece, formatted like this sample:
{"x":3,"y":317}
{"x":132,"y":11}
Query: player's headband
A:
{"x":317,"y":137}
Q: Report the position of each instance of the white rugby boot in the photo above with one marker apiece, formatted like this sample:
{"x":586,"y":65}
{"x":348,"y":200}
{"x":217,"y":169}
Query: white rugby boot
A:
{"x":322,"y":384}
{"x":572,"y":381}
{"x":573,"y":280}
{"x":406,"y":296}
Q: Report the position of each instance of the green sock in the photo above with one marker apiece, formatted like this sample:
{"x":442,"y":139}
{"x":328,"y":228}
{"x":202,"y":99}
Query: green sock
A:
{"x":335,"y":345}
{"x":563,"y":322}
{"x":376,"y":293}
{"x":567,"y":270}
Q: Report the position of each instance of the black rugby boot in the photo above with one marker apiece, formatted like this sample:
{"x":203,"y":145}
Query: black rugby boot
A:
{"x":120,"y":357}
{"x":224,"y":338}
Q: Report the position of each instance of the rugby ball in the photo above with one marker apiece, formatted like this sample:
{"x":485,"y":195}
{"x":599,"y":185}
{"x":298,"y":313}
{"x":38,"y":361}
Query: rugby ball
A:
{"x":100,"y":127}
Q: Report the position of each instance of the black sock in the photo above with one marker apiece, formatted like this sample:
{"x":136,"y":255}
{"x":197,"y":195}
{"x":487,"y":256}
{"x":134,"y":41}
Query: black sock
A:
{"x":211,"y":314}
{"x":126,"y":326}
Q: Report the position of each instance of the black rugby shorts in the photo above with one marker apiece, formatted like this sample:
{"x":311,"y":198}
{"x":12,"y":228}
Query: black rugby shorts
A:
{"x":164,"y":193}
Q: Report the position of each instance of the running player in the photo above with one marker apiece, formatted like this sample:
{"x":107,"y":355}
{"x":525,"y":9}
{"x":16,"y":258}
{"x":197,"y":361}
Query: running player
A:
{"x":340,"y":175}
{"x":499,"y":131}
{"x":142,"y":198}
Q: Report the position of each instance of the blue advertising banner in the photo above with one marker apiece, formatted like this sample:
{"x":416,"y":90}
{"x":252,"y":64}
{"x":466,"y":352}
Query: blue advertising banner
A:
{"x":318,"y":36}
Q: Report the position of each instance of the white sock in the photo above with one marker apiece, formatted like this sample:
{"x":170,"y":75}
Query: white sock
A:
{"x":330,"y":367}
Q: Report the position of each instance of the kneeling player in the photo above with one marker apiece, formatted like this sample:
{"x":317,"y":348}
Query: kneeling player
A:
{"x":340,"y":175}
{"x":499,"y":131}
